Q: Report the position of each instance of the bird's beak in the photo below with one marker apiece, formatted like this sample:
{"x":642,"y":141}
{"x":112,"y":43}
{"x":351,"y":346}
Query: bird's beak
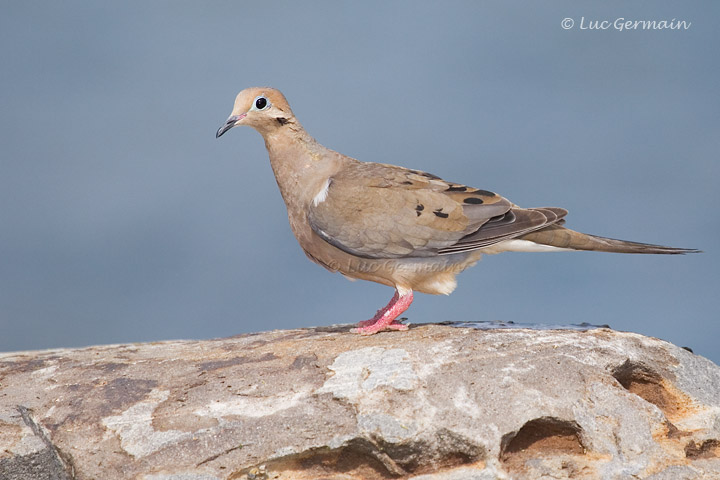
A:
{"x":230,"y":123}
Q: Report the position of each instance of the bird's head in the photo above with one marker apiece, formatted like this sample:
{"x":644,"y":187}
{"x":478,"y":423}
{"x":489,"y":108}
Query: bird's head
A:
{"x":263,"y":108}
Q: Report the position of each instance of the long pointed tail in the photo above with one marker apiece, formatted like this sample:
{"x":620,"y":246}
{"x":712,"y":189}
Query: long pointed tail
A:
{"x":559,"y":236}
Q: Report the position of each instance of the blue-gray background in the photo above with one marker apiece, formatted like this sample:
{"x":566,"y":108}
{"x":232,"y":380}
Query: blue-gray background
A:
{"x":123,"y":219}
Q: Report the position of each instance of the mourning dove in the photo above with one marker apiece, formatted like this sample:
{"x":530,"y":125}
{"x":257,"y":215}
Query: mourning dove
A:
{"x":403,"y":228}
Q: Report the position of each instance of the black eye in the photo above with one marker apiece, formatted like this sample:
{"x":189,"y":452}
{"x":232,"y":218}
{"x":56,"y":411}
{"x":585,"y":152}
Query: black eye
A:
{"x":260,"y":103}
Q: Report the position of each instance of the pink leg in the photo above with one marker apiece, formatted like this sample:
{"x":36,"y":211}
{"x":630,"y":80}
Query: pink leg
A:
{"x":385,"y":318}
{"x":379,"y":313}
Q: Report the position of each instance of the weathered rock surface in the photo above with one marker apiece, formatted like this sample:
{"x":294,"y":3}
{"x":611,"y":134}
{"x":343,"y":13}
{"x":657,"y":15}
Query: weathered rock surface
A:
{"x":437,"y":402}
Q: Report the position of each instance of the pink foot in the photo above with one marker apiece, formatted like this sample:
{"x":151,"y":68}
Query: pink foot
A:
{"x":386,"y":318}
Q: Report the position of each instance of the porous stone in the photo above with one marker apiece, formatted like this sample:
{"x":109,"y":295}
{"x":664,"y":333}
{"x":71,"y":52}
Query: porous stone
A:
{"x":438,"y":402}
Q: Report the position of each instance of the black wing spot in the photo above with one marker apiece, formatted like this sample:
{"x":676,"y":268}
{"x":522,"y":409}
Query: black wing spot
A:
{"x":425,"y":174}
{"x":456,"y":188}
{"x":439,"y":213}
{"x":473,"y":201}
{"x":420,"y":207}
{"x":407,"y":182}
{"x":430,"y":175}
{"x":484,"y":193}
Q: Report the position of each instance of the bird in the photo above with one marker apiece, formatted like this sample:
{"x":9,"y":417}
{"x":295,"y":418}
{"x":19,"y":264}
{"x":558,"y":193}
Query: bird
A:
{"x":404,"y":228}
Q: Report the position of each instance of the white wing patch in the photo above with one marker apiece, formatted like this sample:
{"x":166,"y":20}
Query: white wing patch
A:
{"x":322,"y":194}
{"x":516,"y":245}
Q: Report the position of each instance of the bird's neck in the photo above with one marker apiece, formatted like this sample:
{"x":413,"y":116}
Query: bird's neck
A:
{"x":301,"y":165}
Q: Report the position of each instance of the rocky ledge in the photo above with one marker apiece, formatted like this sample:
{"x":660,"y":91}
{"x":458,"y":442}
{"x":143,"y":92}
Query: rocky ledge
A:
{"x":436,"y":402}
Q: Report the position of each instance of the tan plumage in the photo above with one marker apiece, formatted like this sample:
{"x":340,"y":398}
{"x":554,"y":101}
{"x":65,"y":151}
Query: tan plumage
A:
{"x":407,"y":229}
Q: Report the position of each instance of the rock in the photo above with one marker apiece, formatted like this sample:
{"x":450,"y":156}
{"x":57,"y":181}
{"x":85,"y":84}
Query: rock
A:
{"x":439,"y":402}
